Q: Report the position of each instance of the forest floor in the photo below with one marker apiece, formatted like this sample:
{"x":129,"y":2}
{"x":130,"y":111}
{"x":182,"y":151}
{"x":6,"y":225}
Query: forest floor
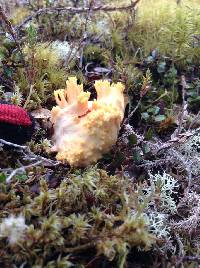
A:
{"x":139,"y":205}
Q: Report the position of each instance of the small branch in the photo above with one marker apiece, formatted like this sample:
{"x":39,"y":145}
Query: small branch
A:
{"x":6,"y":83}
{"x":76,"y":10}
{"x":28,"y":156}
{"x":80,"y":248}
{"x":132,"y":113}
{"x":156,"y":100}
{"x":184,"y":111}
{"x":150,"y":164}
{"x":85,"y":34}
{"x":22,"y":169}
{"x":179,"y":139}
{"x":138,"y":105}
{"x":197,"y":117}
{"x":13,"y":144}
{"x":191,"y":259}
{"x":29,"y":96}
{"x":12,"y":32}
{"x":180,"y":245}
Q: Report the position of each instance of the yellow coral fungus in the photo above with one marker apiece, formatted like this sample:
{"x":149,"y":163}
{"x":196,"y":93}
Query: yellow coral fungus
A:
{"x":84,"y":130}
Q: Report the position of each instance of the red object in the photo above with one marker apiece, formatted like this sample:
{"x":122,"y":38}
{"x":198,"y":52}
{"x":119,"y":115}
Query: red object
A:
{"x":13,"y":114}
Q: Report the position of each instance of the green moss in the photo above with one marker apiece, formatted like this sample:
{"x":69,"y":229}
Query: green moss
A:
{"x":94,"y":53}
{"x":168,"y":27}
{"x":89,"y":210}
{"x":45,"y":71}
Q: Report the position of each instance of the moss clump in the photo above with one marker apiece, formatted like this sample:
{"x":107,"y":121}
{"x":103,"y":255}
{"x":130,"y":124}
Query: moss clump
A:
{"x":45,"y":73}
{"x":94,"y":53}
{"x":168,"y":27}
{"x":89,"y":210}
{"x":19,"y":14}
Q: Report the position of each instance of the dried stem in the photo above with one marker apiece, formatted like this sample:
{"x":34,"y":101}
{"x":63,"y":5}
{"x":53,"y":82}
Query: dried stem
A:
{"x":80,"y":248}
{"x":28,"y":156}
{"x":22,"y":169}
{"x":13,"y":144}
{"x":12,"y":32}
{"x":76,"y":10}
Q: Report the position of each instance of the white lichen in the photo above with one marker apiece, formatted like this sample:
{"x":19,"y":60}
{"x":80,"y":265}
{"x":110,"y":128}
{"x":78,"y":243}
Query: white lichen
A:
{"x":64,"y":50}
{"x":157,"y":224}
{"x":162,"y":187}
{"x":190,"y":151}
{"x":13,"y":228}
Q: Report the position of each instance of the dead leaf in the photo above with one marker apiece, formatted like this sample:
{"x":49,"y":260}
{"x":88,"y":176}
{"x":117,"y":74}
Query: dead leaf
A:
{"x":41,"y":113}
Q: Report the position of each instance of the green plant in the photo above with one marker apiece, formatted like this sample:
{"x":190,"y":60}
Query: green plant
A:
{"x":169,"y":28}
{"x":87,"y":210}
{"x":45,"y":73}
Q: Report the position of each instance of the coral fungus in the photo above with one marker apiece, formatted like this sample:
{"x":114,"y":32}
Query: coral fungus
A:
{"x":85,"y":130}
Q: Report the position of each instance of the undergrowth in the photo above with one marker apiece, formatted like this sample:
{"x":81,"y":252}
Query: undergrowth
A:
{"x":139,"y":206}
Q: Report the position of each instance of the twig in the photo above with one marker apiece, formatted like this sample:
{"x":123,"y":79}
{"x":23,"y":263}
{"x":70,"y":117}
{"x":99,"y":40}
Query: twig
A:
{"x":180,"y":245}
{"x":29,"y":96}
{"x":191,"y":259}
{"x":14,"y":35}
{"x":185,"y":164}
{"x":150,"y":164}
{"x":13,"y":144}
{"x":85,"y":34}
{"x":28,"y":155}
{"x":76,"y":10}
{"x":80,"y":248}
{"x":12,"y":32}
{"x":132,"y":113}
{"x":185,"y":105}
{"x":138,"y":105}
{"x":6,"y":83}
{"x":181,"y":138}
{"x":197,"y":117}
{"x":184,"y":108}
{"x":156,"y":100}
{"x":22,"y":169}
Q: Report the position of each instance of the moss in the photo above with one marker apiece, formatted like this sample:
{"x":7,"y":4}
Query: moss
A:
{"x":81,"y":213}
{"x":19,"y":14}
{"x":46,"y":73}
{"x":88,"y":217}
{"x":168,"y":27}
{"x":94,"y":53}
